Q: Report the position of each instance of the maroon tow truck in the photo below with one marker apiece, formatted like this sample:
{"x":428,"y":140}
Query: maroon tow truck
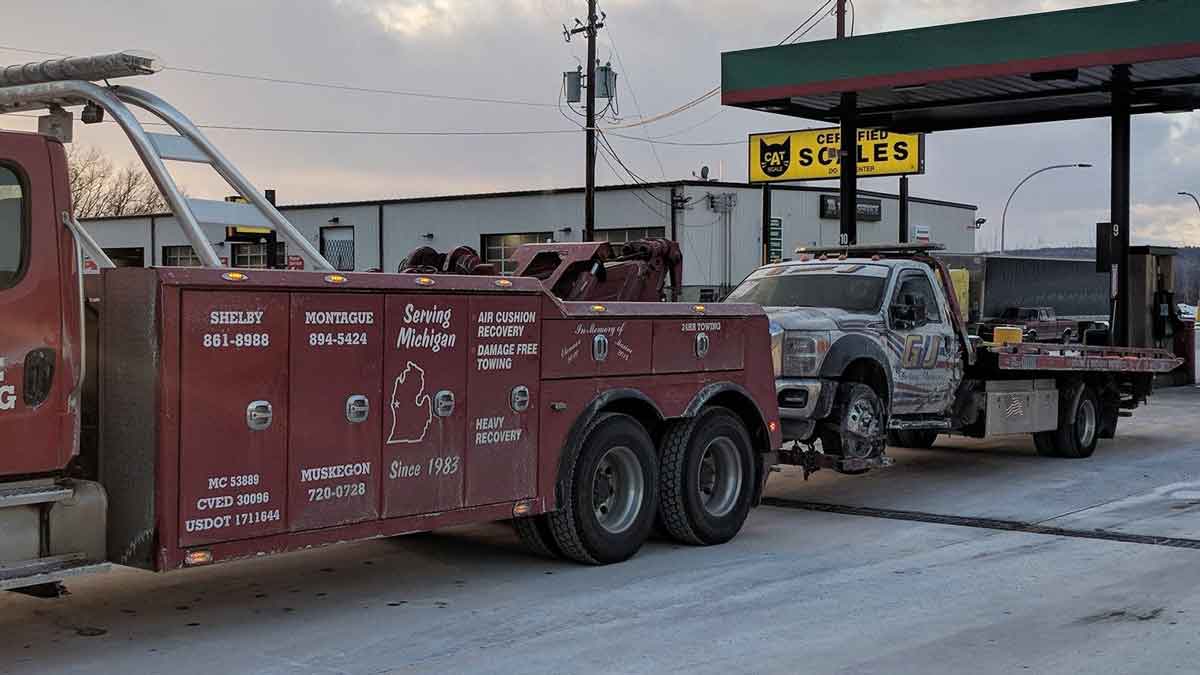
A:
{"x":174,"y":417}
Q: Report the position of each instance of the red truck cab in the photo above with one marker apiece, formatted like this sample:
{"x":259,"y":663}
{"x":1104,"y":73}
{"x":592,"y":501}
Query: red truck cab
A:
{"x":39,"y":296}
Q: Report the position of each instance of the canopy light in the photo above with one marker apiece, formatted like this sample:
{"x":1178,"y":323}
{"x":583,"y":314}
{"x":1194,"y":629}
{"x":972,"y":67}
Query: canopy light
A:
{"x":88,"y":68}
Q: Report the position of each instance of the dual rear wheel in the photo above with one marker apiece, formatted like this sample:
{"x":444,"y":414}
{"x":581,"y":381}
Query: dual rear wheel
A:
{"x":1078,"y":428}
{"x":698,"y":483}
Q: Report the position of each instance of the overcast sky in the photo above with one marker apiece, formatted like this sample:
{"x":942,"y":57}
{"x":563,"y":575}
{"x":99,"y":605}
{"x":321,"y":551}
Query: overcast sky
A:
{"x":667,"y":52}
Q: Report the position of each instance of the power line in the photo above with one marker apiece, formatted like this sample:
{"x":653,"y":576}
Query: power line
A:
{"x":680,"y":132}
{"x":715,"y":90}
{"x":802,"y":24}
{"x":637,"y":106}
{"x":322,"y":85}
{"x":432,"y":133}
{"x":352,"y":132}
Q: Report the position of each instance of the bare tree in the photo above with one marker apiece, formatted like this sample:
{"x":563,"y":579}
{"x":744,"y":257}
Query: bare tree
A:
{"x":101,"y":189}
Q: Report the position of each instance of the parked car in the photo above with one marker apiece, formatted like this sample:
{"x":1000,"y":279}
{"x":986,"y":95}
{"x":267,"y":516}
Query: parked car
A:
{"x":1038,"y":324}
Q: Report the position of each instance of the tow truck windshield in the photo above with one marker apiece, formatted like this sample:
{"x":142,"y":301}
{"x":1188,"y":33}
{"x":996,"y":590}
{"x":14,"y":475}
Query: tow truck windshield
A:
{"x":850,"y":287}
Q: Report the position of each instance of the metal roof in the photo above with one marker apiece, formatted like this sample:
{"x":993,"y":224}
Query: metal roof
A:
{"x":1016,"y":70}
{"x":569,"y":190}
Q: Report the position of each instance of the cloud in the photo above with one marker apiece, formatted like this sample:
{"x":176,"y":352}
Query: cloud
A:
{"x":668,"y":51}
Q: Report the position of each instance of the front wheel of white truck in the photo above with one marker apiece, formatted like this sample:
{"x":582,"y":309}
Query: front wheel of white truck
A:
{"x":856,"y":432}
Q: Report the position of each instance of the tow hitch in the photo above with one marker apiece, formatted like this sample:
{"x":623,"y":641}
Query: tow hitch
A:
{"x":811,"y":460}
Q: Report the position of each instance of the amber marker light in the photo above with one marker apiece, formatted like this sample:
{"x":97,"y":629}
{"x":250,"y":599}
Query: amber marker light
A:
{"x":503,"y":283}
{"x":599,"y":308}
{"x":699,"y":309}
{"x":522,"y":509}
{"x":424,"y":281}
{"x":234,"y":276}
{"x":772,"y":426}
{"x":335,"y":279}
{"x":200,"y":557}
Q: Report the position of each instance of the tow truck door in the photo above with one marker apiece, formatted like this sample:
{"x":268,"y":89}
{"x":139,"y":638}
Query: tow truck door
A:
{"x":929,"y":367}
{"x":35,"y":420}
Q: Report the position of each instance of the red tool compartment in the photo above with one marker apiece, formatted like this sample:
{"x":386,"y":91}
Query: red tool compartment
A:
{"x":596,"y":347}
{"x":698,"y":344}
{"x":503,"y":401}
{"x":425,"y":376}
{"x":233,"y":415}
{"x":337,"y":404}
{"x":263,"y":400}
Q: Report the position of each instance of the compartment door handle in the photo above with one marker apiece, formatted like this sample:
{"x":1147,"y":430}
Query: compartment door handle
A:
{"x":259,"y":415}
{"x":358,"y":409}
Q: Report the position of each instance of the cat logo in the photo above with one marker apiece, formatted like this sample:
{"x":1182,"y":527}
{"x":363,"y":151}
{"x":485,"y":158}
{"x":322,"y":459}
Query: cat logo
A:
{"x":774,"y":158}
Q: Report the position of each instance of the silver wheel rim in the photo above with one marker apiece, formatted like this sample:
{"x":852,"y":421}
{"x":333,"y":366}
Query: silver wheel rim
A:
{"x":1085,"y":423}
{"x":618,"y":488}
{"x":861,"y":419}
{"x":719,"y":476}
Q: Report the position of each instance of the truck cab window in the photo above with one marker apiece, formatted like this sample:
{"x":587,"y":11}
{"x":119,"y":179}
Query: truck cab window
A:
{"x":917,"y":286}
{"x":12,"y":227}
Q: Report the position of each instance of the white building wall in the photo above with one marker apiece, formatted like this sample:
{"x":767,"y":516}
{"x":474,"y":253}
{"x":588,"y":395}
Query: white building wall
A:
{"x":707,"y":236}
{"x":124,"y":233}
{"x":800,"y":211}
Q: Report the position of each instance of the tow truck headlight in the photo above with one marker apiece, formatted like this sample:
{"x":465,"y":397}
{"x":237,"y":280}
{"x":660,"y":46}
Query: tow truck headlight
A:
{"x":803,"y":352}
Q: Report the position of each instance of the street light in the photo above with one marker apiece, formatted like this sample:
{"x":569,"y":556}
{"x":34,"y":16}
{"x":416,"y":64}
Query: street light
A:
{"x":1188,"y":194}
{"x":1004,"y":216}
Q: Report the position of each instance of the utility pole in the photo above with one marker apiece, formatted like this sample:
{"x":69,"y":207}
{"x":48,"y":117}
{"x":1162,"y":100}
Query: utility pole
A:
{"x":589,"y":192}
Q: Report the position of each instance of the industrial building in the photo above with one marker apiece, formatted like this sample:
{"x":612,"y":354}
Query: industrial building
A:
{"x":720,"y":227}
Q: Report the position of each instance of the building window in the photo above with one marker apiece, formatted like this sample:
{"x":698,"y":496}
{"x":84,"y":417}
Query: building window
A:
{"x":127,"y":257}
{"x":254,"y":256}
{"x":627,"y":234}
{"x":12,"y":227}
{"x":337,"y":245}
{"x":179,"y":256}
{"x":498,"y":249}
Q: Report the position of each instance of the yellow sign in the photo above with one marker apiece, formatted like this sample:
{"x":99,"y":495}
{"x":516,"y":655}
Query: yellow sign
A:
{"x":812,"y":154}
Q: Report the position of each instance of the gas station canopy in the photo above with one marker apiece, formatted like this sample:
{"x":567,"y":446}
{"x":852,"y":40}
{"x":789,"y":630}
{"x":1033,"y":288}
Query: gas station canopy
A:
{"x":1015,"y":70}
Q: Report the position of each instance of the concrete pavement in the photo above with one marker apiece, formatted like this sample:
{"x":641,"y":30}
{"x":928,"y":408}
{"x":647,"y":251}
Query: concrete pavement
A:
{"x":797,"y":591}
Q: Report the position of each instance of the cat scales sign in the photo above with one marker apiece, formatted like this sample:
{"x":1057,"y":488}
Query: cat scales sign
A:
{"x":812,"y":154}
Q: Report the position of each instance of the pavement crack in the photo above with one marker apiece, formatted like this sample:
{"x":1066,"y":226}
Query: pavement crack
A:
{"x":983,"y":523}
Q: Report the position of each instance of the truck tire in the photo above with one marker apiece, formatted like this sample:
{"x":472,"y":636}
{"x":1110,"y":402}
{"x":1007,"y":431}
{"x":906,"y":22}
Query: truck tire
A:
{"x":920,"y":439}
{"x":609,"y":499}
{"x":706,"y":478}
{"x":1079,"y":430}
{"x":856,"y":411}
{"x":536,"y":535}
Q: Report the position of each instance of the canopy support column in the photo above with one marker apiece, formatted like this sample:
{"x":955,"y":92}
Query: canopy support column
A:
{"x":1120,"y":175}
{"x":848,"y":201}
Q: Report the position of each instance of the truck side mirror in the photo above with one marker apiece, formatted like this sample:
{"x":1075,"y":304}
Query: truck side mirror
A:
{"x":919,"y":313}
{"x":909,"y":313}
{"x":902,"y":316}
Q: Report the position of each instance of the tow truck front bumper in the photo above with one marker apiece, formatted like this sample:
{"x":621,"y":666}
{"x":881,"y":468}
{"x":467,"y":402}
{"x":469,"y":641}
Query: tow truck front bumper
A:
{"x":802,"y":403}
